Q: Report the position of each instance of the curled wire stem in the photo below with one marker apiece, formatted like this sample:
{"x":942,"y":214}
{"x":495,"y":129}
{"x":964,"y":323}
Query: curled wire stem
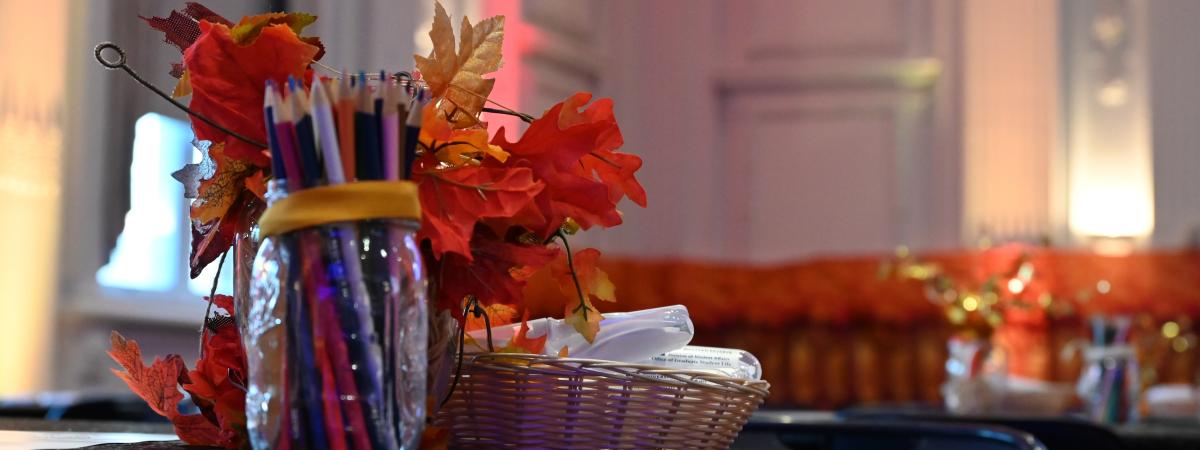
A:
{"x":120,"y":63}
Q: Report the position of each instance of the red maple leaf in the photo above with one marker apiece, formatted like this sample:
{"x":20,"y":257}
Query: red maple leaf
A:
{"x":497,"y":273}
{"x":158,"y":385}
{"x":453,"y":201}
{"x":228,"y":79}
{"x":573,"y":152}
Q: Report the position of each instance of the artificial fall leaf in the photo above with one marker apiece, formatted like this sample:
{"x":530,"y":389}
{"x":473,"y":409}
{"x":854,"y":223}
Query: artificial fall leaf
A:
{"x":592,"y":280}
{"x":456,"y":147}
{"x":457,"y":77}
{"x":521,"y":343}
{"x":228,"y":80}
{"x":584,"y":318}
{"x":617,"y":171}
{"x":183,"y":88}
{"x":563,"y":353}
{"x":182,"y":28}
{"x":559,"y":147}
{"x":223,"y":181}
{"x":593,"y":284}
{"x":222,"y":301}
{"x":158,"y":385}
{"x":217,"y":383}
{"x":435,"y":438}
{"x":249,"y":28}
{"x":190,"y":176}
{"x":488,"y":277}
{"x":454,"y":200}
{"x":211,"y":239}
{"x":497,"y":314}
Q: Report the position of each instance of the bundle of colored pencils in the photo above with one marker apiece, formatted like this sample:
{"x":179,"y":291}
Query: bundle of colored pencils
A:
{"x":343,"y":356}
{"x":1116,"y":365}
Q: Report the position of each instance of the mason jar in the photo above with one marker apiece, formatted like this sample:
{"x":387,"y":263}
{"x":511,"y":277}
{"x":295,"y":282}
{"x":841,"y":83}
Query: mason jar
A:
{"x":336,"y":330}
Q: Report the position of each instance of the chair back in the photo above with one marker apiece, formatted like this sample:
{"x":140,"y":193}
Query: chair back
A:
{"x":885,"y":435}
{"x":1056,"y":433}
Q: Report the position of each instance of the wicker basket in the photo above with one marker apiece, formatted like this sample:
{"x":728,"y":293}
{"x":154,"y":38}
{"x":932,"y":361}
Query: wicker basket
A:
{"x":534,"y":401}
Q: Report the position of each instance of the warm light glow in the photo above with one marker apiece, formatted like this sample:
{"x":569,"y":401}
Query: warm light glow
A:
{"x":1116,"y":207}
{"x":1015,"y":286}
{"x":30,"y":153}
{"x":1110,"y":181}
{"x":971,"y":303}
{"x":1170,"y":330}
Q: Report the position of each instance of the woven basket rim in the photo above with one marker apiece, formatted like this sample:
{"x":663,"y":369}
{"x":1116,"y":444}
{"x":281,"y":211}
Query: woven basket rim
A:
{"x":523,"y":362}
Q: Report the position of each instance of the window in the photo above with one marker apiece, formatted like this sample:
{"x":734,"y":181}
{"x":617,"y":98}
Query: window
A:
{"x":151,"y":253}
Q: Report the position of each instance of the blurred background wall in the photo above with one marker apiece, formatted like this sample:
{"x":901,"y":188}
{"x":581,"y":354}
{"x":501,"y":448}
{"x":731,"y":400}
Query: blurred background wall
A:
{"x":772,"y":131}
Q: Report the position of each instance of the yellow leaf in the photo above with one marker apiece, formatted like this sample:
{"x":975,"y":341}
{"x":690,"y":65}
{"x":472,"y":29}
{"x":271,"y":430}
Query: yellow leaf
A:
{"x":562,"y":353}
{"x":456,"y":77}
{"x":497,"y":314}
{"x":248,"y":29}
{"x":602,"y":288}
{"x":184,"y":87}
{"x":584,"y":318}
{"x":593,"y":284}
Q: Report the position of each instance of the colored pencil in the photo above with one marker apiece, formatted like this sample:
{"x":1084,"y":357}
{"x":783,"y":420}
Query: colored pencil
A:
{"x":366,"y":133}
{"x":285,"y":133}
{"x":344,"y":107}
{"x":309,"y":158}
{"x":277,"y":168}
{"x":391,"y":133}
{"x":353,"y":307}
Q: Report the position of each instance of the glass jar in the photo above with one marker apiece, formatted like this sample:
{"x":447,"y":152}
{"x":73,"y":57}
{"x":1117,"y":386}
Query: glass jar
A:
{"x":976,"y":372}
{"x":1108,"y":383}
{"x":337,"y":336}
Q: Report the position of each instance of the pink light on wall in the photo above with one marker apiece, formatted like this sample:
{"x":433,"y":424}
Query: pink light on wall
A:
{"x":514,"y":77}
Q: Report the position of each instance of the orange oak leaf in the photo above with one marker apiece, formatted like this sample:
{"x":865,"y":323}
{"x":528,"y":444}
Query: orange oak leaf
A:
{"x":225,"y":179}
{"x":457,"y":76}
{"x":521,"y":343}
{"x":455,"y":200}
{"x":497,"y":314}
{"x":158,"y":385}
{"x":211,"y":239}
{"x":228,"y":78}
{"x":489,"y":275}
{"x":593,"y":284}
{"x":573,"y":152}
{"x":456,"y":147}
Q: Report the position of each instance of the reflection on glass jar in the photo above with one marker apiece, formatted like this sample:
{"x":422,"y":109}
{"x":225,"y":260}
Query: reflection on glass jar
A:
{"x":337,"y":336}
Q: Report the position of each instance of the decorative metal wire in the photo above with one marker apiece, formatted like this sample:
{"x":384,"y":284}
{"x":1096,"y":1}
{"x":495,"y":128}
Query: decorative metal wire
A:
{"x":120,"y":63}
